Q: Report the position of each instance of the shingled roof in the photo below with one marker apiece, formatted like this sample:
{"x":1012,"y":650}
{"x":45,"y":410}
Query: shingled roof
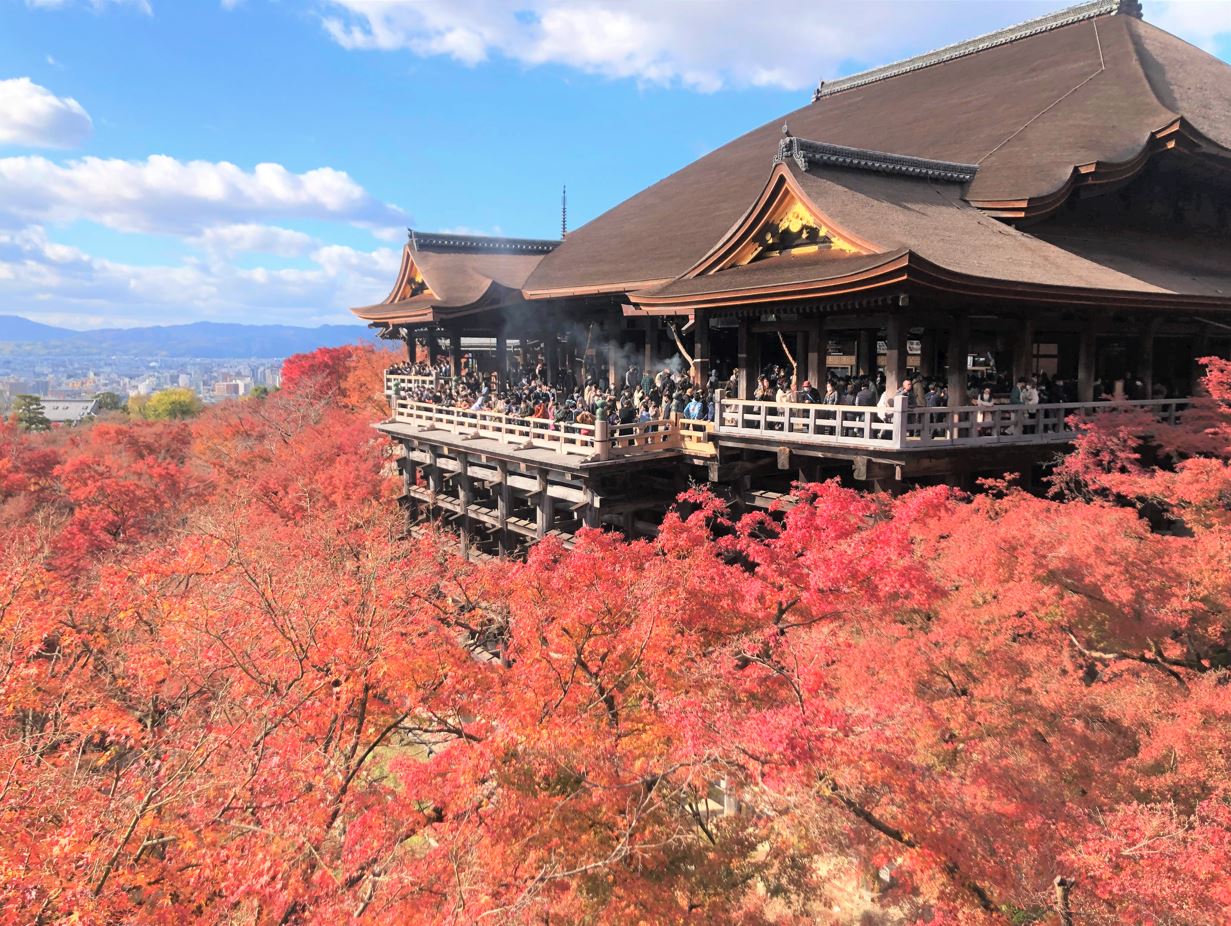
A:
{"x":445,"y":275}
{"x":1084,"y":95}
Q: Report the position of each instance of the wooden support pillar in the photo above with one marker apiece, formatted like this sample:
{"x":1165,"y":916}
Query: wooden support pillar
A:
{"x":1145,"y":356}
{"x":465,"y":495}
{"x":550,"y":356}
{"x":895,"y":353}
{"x":701,"y":348}
{"x":502,"y":501}
{"x":502,"y":357}
{"x":1023,"y":349}
{"x":433,"y":345}
{"x":544,"y":513}
{"x":747,"y":375}
{"x":455,"y":351}
{"x":1087,"y":352}
{"x":956,"y":356}
{"x":927,"y":353}
{"x":1201,"y":348}
{"x":865,"y":352}
{"x":818,"y":352}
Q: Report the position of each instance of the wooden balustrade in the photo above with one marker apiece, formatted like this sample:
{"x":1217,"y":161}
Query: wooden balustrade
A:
{"x":902,"y":428}
{"x":398,"y":382}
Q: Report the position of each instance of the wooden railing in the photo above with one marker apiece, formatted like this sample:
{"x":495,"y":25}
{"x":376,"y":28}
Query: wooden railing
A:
{"x":900,"y":428}
{"x":595,"y":442}
{"x":404,"y":382}
{"x":696,"y":437}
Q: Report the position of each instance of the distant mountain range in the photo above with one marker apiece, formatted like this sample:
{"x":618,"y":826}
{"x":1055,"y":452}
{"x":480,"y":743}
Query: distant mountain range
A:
{"x":213,"y":340}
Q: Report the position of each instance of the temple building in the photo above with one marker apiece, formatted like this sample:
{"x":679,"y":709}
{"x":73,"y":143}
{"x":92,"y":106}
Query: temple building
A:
{"x":1053,"y":199}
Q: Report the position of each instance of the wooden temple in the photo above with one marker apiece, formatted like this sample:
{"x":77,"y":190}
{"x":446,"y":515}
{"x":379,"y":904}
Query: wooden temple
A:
{"x":1054,"y":197}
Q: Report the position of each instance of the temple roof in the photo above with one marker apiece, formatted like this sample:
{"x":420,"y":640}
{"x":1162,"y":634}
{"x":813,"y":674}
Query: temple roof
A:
{"x":1010,"y":123}
{"x":927,"y":233}
{"x":445,"y":275}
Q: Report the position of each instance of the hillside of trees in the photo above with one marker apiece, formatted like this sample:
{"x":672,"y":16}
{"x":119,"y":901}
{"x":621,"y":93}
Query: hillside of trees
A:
{"x":235,"y":690}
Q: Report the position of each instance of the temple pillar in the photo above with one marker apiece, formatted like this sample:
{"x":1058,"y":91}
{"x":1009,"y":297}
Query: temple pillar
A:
{"x":1201,"y":348}
{"x":927,"y":353}
{"x":1086,"y":354}
{"x":1023,"y":349}
{"x":818,"y":352}
{"x":747,"y":377}
{"x":895,"y":353}
{"x":455,"y":350}
{"x":502,"y":357}
{"x":544,"y":513}
{"x":701,"y":348}
{"x":550,"y":358}
{"x":865,"y":352}
{"x":956,"y":359}
{"x":433,"y":345}
{"x":1145,"y":356}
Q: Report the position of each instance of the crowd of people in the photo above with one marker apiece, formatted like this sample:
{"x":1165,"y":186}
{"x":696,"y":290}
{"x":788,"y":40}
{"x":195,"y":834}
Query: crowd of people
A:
{"x":641,"y":396}
{"x":528,"y":392}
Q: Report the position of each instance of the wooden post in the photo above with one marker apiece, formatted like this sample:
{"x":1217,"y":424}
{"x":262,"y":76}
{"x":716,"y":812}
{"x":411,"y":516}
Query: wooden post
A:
{"x":602,"y":439}
{"x":502,"y":358}
{"x":433,"y":345}
{"x":818,"y":352}
{"x":927,"y":353}
{"x":865,"y":352}
{"x":895,"y":353}
{"x":1145,"y":356}
{"x":1023,"y":349}
{"x":647,"y":358}
{"x":502,"y":499}
{"x":1086,"y":353}
{"x":465,"y":495}
{"x":747,"y":376}
{"x":550,"y":356}
{"x":701,"y":348}
{"x":900,"y":403}
{"x":956,"y":354}
{"x":1201,"y":348}
{"x":719,"y":395}
{"x":544,"y":512}
{"x":455,"y":351}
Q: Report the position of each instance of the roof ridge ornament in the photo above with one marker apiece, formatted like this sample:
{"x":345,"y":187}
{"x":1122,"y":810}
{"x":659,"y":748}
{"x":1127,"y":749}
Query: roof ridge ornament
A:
{"x":1065,"y":17}
{"x":806,"y":153}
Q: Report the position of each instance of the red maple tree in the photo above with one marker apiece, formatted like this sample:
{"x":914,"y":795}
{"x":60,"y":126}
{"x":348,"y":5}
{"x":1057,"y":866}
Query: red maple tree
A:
{"x":234,"y":689}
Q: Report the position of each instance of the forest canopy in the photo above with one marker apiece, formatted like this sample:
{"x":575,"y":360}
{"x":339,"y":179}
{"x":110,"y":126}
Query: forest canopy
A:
{"x":235,"y":688}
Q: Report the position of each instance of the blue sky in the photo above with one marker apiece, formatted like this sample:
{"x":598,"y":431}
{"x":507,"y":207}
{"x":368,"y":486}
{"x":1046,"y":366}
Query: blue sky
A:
{"x":258,"y":160}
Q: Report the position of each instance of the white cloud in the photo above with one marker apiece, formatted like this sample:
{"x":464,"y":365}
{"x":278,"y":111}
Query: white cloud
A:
{"x":40,"y":278}
{"x":702,"y":44}
{"x":227,"y":240}
{"x":165,"y":195}
{"x":34,"y":117}
{"x":97,"y":5}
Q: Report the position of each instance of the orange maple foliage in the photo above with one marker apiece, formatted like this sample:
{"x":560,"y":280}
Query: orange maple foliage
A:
{"x":233,"y":689}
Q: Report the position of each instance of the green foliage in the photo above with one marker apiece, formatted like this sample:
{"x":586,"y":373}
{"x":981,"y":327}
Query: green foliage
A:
{"x":166,"y":404}
{"x":30,"y":414}
{"x":109,"y":402}
{"x":259,"y":392}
